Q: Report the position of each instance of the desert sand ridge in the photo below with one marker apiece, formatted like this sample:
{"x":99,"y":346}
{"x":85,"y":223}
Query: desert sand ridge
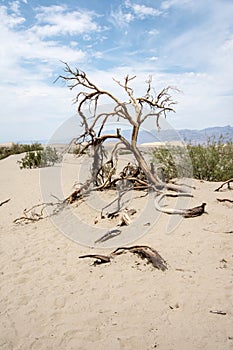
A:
{"x":50,"y":299}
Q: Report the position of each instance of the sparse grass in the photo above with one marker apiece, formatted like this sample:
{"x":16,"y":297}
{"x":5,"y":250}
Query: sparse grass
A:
{"x":212,"y":161}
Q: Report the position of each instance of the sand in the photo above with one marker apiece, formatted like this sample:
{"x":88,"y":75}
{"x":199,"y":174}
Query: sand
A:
{"x":51,"y":299}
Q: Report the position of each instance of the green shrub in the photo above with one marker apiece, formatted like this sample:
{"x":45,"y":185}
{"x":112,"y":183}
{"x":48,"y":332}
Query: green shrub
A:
{"x":212,"y":161}
{"x":17,"y":148}
{"x":40,"y":159}
{"x":172,"y":161}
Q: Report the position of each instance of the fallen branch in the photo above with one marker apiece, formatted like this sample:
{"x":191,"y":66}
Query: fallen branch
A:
{"x":218,"y":312}
{"x":110,"y":234}
{"x":196,"y":211}
{"x":206,"y":229}
{"x":100,"y":259}
{"x":4,"y":202}
{"x":225,"y":183}
{"x":36,"y":212}
{"x":224,"y":200}
{"x":187,"y":213}
{"x":144,"y":252}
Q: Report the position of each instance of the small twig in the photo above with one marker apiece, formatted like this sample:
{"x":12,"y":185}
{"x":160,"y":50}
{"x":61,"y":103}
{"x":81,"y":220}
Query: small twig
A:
{"x":206,"y":229}
{"x":226,"y":182}
{"x":100,"y":259}
{"x":31,"y":216}
{"x":4,"y":202}
{"x":110,"y":234}
{"x":218,"y":312}
{"x":224,"y":200}
{"x":183,"y":184}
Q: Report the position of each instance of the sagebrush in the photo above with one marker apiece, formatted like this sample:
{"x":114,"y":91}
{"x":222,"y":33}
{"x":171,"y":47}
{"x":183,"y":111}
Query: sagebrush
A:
{"x":212,"y":161}
{"x":17,"y":148}
{"x":40,"y":159}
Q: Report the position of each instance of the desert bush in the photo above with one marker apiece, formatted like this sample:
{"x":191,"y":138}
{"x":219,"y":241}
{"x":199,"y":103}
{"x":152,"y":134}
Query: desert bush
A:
{"x":17,"y":148}
{"x":212,"y":161}
{"x":172,"y":161}
{"x":40,"y":159}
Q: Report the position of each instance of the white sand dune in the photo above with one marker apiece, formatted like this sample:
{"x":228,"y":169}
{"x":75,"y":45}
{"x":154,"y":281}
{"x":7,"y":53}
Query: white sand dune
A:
{"x":51,"y":299}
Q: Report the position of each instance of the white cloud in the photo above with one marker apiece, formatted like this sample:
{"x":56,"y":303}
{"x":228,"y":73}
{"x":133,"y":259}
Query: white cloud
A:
{"x":131,"y":12}
{"x":142,"y":11}
{"x":29,"y":65}
{"x":57,"y":20}
{"x":167,"y":4}
{"x":15,"y":7}
{"x":198,"y":60}
{"x":153,"y":32}
{"x":121,"y":19}
{"x":9,"y":21}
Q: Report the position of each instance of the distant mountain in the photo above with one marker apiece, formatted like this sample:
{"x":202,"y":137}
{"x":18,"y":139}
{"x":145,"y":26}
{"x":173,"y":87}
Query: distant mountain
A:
{"x":201,"y":136}
{"x":168,"y":135}
{"x":187,"y":135}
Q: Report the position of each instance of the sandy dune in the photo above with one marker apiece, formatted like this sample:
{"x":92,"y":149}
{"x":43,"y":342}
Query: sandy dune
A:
{"x":51,"y":299}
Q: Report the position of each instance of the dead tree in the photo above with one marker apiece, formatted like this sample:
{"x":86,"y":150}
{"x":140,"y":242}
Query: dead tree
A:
{"x":151,"y":105}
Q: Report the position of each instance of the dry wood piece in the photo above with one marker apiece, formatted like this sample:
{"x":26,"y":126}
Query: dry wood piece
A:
{"x":100,"y":259}
{"x":124,"y":219}
{"x":224,"y":200}
{"x":39,"y":212}
{"x":225,"y":183}
{"x":159,"y":198}
{"x":218,"y":312}
{"x":186,"y":213}
{"x":4,"y":202}
{"x":110,"y":234}
{"x":145,"y":252}
{"x":196,"y":211}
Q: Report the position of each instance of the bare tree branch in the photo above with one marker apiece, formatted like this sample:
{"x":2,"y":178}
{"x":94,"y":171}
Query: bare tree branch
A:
{"x":89,"y":94}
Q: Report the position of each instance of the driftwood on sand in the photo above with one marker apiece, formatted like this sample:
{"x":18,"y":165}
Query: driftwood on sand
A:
{"x":186,"y":213}
{"x":4,"y":202}
{"x":225,"y":200}
{"x":225,"y":183}
{"x":196,"y":211}
{"x":100,"y":259}
{"x":145,"y":252}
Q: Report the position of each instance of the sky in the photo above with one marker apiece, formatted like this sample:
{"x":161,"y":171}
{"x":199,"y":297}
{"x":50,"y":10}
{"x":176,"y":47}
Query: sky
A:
{"x":183,"y":43}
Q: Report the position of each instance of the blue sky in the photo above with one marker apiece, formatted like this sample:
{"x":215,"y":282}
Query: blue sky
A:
{"x":183,"y":43}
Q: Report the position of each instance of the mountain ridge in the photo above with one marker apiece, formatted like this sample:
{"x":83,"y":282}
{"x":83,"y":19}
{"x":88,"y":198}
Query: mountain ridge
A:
{"x":167,"y":135}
